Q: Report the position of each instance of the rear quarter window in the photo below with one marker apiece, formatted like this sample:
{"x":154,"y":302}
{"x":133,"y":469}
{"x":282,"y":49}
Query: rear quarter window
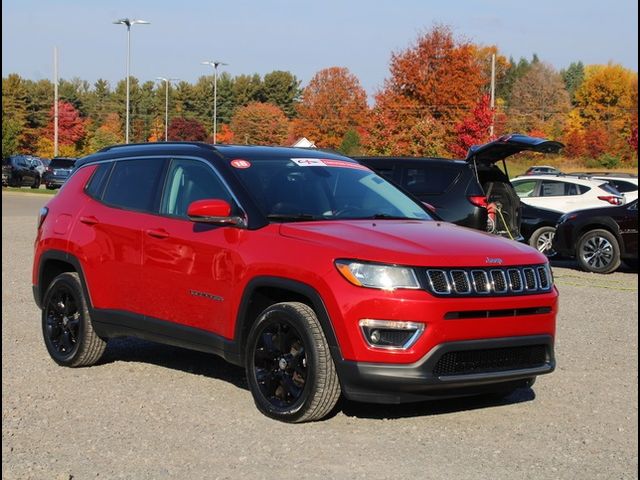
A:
{"x":134,"y":184}
{"x":96,"y":183}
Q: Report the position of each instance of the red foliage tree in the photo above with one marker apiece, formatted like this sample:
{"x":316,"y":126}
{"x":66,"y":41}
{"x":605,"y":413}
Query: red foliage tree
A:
{"x":184,"y":129}
{"x":473,"y":129}
{"x":633,"y":139}
{"x":71,"y":127}
{"x":596,"y":141}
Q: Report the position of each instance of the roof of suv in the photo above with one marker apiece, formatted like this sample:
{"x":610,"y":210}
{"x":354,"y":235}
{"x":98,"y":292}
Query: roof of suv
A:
{"x":586,"y":181}
{"x":254,"y":152}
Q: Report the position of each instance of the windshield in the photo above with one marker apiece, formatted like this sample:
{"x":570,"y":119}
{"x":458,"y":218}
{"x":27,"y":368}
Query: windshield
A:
{"x":294,"y":189}
{"x":62,"y":163}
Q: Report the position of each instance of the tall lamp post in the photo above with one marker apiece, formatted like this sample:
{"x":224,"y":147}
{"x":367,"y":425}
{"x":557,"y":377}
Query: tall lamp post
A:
{"x":166,"y":105}
{"x":128,"y":23}
{"x":215,"y":64}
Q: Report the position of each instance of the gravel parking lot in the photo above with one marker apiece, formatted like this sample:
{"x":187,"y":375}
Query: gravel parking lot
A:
{"x":152,"y":411}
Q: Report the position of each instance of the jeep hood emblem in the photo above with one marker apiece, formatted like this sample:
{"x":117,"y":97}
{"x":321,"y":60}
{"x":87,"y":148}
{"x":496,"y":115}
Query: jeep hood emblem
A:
{"x":493,"y":261}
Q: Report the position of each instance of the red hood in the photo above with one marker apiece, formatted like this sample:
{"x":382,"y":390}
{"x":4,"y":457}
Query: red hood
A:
{"x":419,"y":243}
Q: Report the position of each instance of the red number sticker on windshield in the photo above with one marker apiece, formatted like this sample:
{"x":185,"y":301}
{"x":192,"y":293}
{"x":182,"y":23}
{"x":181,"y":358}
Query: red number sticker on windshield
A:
{"x":238,"y":163}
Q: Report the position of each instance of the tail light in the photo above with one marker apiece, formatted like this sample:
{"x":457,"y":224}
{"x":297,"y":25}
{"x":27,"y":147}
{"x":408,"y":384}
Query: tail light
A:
{"x":478,"y":200}
{"x":612,"y":199}
{"x":42,"y":215}
{"x":49,"y":169}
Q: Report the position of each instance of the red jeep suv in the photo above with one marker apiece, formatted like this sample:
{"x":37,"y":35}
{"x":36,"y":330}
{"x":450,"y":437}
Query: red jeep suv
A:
{"x":313,"y":272}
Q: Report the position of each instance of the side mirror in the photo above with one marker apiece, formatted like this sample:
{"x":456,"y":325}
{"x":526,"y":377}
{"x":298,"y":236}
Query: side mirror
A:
{"x":214,"y":211}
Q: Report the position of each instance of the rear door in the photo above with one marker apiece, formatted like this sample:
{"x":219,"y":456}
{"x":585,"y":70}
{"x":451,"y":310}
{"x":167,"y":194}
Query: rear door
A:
{"x":112,"y":224}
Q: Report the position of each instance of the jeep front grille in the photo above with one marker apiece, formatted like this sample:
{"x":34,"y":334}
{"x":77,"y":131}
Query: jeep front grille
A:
{"x":464,"y":282}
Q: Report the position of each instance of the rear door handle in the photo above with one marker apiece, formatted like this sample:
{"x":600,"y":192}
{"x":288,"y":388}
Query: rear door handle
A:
{"x":90,"y":220}
{"x":157,"y":233}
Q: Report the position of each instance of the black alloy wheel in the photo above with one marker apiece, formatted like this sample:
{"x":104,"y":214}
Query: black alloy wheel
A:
{"x":66,"y":324}
{"x":289,"y":367}
{"x":280,"y":364}
{"x":62,"y":318}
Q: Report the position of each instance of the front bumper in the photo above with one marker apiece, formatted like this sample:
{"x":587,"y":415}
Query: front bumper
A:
{"x":425,"y":379}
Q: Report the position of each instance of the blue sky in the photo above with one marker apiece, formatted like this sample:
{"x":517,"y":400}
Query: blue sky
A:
{"x":301,"y":36}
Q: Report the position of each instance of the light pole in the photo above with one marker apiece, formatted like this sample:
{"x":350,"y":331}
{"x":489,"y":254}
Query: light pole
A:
{"x":166,"y":105}
{"x":128,"y":23}
{"x":215,"y":64}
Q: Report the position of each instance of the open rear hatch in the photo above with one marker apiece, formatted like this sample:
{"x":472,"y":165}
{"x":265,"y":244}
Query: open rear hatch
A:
{"x":503,"y":202}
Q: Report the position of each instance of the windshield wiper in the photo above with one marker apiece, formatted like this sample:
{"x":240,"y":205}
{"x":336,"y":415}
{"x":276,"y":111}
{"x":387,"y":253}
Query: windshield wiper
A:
{"x":386,"y":216}
{"x":293,"y":217}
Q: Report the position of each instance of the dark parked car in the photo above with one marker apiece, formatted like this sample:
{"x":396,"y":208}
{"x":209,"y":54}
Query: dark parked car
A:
{"x":58,"y":171}
{"x":538,"y":228}
{"x":461,"y":190}
{"x":599,"y":238}
{"x":20,"y":171}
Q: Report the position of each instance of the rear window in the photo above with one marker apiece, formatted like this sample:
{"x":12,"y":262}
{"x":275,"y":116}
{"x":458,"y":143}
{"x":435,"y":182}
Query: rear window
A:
{"x":62,"y":163}
{"x":623,"y":186}
{"x":429,"y":181}
{"x":607,"y":187}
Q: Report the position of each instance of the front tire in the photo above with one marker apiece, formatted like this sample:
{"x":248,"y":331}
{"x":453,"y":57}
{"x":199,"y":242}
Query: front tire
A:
{"x":598,"y":251}
{"x":542,"y":240}
{"x":66,"y":324}
{"x":289,"y":366}
{"x":36,"y":183}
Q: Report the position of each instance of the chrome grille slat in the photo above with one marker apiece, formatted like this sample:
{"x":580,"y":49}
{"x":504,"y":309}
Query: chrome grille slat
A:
{"x":467,"y":282}
{"x":439,"y":282}
{"x":460,"y":281}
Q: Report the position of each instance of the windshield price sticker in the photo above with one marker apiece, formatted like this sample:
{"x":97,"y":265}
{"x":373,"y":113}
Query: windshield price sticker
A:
{"x":326,"y":162}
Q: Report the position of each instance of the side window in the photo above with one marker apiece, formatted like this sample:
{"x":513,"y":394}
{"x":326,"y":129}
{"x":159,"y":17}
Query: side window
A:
{"x":188,"y":181}
{"x":133,"y":184}
{"x":95,"y":186}
{"x":525,"y":189}
{"x":552,"y":189}
{"x":583,"y":189}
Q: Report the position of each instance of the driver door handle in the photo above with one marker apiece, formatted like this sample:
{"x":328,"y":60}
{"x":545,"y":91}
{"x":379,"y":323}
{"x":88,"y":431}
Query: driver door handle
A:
{"x":157,"y":233}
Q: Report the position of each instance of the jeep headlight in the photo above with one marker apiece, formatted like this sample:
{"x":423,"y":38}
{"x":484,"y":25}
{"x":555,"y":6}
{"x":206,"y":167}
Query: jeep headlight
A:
{"x":377,"y":275}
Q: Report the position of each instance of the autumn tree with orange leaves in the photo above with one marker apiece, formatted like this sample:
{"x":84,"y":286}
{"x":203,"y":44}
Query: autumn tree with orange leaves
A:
{"x":260,"y":124}
{"x":436,"y":82}
{"x":333,"y":103}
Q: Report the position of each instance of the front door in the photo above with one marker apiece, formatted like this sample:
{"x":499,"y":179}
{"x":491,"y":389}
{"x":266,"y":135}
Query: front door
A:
{"x":189,"y":268}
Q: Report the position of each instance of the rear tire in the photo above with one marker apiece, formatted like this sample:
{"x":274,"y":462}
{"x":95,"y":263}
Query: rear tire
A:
{"x":542,"y":240}
{"x":598,"y":252}
{"x":289,"y":366}
{"x":66,"y":324}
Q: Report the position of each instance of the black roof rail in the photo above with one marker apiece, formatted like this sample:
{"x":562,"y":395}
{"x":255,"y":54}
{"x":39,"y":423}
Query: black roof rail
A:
{"x":606,"y":174}
{"x":154,"y":144}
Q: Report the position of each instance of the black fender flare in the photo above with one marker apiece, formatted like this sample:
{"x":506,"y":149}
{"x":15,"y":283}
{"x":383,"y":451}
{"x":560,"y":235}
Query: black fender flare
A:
{"x":59,"y":255}
{"x":298,"y":288}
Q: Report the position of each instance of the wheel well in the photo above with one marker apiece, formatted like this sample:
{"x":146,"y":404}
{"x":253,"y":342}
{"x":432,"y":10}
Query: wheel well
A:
{"x":50,"y":270}
{"x":263,"y":297}
{"x":594,"y":226}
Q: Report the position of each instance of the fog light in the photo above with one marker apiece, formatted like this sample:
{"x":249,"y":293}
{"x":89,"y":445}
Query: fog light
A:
{"x":389,"y":334}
